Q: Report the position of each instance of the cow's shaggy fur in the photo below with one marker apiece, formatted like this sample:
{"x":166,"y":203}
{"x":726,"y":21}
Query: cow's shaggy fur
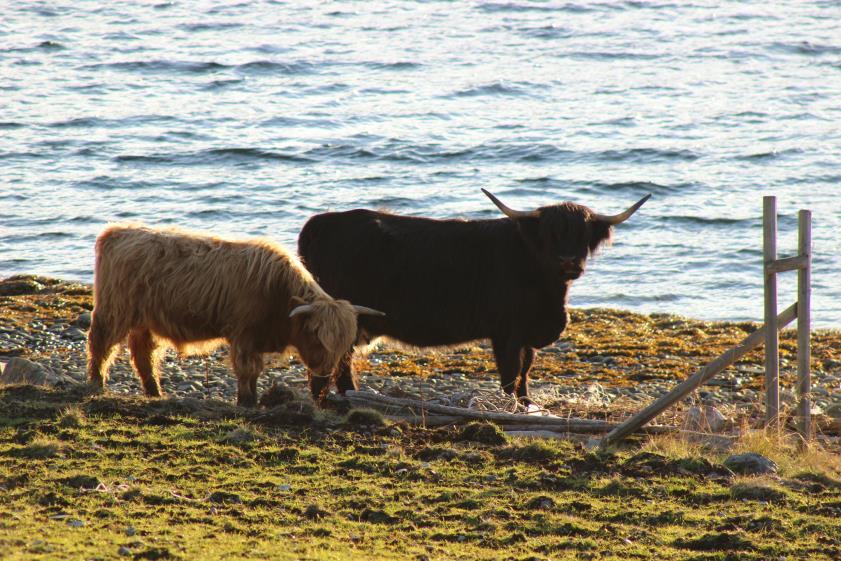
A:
{"x":446,"y":282}
{"x":195,"y":292}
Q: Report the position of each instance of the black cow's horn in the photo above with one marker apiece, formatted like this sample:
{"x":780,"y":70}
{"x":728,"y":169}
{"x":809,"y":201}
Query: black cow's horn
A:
{"x":364,"y":310}
{"x":510,"y":212}
{"x":623,"y":216}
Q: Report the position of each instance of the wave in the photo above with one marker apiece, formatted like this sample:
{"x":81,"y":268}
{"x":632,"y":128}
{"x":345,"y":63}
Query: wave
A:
{"x":219,"y":84}
{"x":770,"y":155}
{"x":212,"y":156}
{"x":21,"y":155}
{"x":618,"y":297}
{"x":398,"y":65}
{"x":611,"y":55}
{"x":707,"y":220}
{"x":497,"y":88}
{"x":546,"y":32}
{"x":805,"y":48}
{"x":98,"y":122}
{"x":192,"y":67}
{"x":43,"y":46}
{"x":202,"y":26}
{"x":268,"y":66}
{"x":646,"y":155}
{"x":496,"y":7}
{"x":110,"y":183}
{"x":7,"y":125}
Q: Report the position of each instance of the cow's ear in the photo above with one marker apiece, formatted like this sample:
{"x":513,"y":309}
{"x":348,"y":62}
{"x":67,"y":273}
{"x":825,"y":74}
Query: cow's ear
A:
{"x":529,"y":229}
{"x":600,"y":234}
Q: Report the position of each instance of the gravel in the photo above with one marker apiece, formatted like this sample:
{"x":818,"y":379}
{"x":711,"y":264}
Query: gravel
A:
{"x":59,"y":347}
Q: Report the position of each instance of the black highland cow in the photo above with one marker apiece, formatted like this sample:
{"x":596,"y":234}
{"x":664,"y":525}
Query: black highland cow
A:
{"x":445,"y":282}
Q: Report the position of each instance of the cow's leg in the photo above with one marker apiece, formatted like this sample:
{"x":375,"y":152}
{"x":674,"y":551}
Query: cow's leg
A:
{"x":527,"y":357}
{"x":144,"y":356}
{"x":345,"y":376}
{"x":247,"y":366}
{"x":103,"y":343}
{"x":509,"y":362}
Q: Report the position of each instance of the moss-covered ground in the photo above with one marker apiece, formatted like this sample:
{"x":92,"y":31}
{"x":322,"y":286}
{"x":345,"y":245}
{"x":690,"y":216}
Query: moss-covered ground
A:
{"x":102,"y":477}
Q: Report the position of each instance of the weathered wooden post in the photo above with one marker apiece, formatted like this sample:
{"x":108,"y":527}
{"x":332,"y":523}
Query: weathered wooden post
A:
{"x":804,"y":317}
{"x":772,"y":339}
{"x":768,"y":333}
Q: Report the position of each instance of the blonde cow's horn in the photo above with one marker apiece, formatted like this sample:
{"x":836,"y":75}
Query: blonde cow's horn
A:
{"x":363,"y":310}
{"x":302,"y":309}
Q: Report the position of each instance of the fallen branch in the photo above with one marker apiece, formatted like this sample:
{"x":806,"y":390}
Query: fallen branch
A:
{"x":418,"y":411}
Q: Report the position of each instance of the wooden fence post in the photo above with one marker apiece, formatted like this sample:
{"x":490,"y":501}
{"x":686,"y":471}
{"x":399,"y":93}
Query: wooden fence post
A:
{"x":804,"y":316}
{"x":772,"y":341}
{"x":698,"y":379}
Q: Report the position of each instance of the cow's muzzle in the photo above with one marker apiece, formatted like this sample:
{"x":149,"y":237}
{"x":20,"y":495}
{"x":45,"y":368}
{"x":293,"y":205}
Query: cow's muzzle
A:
{"x":571,"y":267}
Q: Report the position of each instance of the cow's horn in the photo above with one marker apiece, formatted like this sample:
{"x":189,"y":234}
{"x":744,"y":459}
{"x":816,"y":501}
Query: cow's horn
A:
{"x":622,"y":216}
{"x":363,"y":310}
{"x":302,"y":309}
{"x":510,"y":212}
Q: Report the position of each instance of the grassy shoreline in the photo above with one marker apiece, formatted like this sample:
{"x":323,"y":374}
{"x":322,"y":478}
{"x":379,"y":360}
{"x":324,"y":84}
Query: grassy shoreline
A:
{"x":109,"y":477}
{"x":118,"y":476}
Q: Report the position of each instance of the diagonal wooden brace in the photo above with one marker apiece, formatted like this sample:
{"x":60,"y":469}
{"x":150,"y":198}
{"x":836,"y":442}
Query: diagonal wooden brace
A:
{"x":696,"y":380}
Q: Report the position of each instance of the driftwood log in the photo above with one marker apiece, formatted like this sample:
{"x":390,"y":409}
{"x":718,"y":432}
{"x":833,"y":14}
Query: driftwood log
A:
{"x":423,"y":412}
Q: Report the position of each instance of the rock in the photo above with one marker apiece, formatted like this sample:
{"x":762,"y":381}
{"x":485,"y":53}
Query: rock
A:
{"x":313,"y":512}
{"x":22,"y":371}
{"x":74,"y":334}
{"x":751,"y":463}
{"x":788,"y":397}
{"x":17,"y":286}
{"x":831,"y":364}
{"x":123,"y":550}
{"x":833,"y":411}
{"x":541,"y":503}
{"x":87,"y":482}
{"x":83,"y":321}
{"x":705,"y":418}
{"x":222,"y":497}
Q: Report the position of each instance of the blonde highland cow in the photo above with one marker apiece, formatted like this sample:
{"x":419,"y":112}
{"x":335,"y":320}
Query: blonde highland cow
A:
{"x":162,"y":287}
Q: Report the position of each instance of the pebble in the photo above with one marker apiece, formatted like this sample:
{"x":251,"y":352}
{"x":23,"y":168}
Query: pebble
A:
{"x":60,"y":348}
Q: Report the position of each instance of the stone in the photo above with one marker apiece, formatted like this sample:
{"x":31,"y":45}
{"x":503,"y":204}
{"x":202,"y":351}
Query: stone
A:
{"x":705,"y":418}
{"x":751,"y":463}
{"x":74,"y":334}
{"x":17,"y":286}
{"x":833,"y":411}
{"x":83,"y":321}
{"x":21,"y":371}
{"x":788,"y":397}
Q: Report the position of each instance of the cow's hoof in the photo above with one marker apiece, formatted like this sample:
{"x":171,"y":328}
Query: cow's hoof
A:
{"x":249,"y":402}
{"x":95,"y":386}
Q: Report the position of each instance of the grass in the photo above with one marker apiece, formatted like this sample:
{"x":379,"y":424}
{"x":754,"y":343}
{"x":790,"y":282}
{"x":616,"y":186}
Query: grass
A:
{"x":100,"y":477}
{"x":788,"y":452}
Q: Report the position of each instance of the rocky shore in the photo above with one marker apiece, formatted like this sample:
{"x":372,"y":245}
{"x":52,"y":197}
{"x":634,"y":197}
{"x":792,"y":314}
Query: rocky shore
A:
{"x":606,"y":365}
